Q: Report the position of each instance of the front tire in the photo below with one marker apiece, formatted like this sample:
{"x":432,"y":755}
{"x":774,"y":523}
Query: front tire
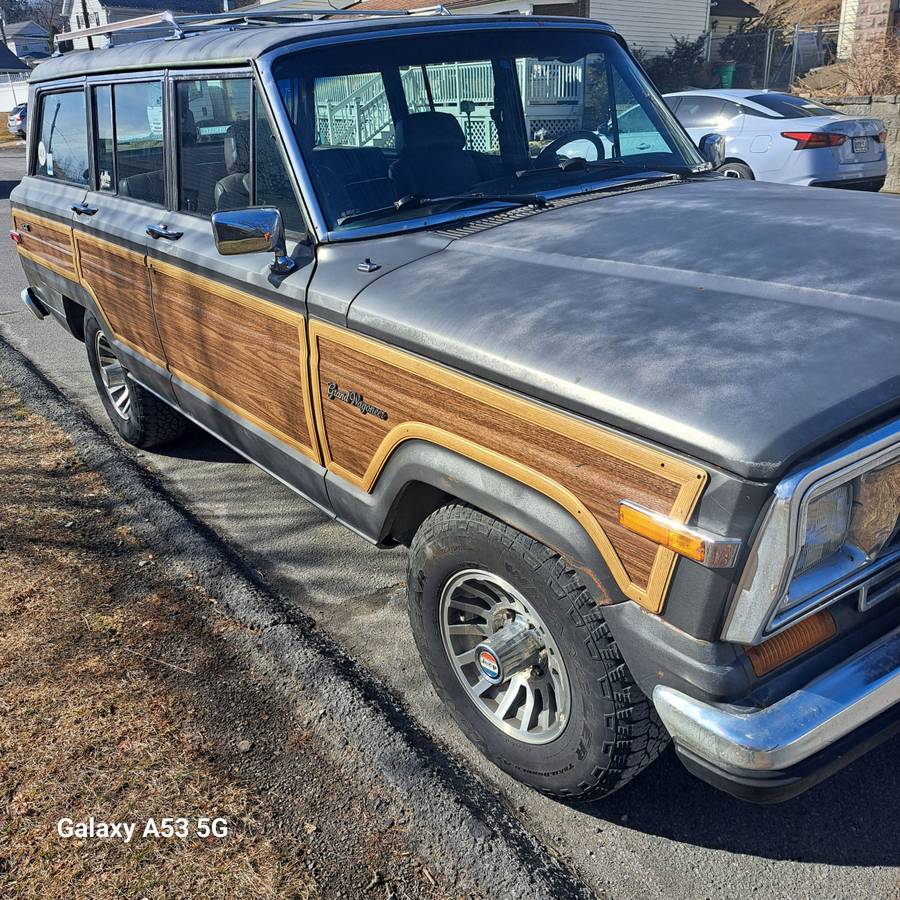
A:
{"x":140,"y":417}
{"x":585,"y":729}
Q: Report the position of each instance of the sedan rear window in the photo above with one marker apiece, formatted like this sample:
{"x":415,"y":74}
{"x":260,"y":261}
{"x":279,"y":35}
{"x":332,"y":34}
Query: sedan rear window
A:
{"x":790,"y":107}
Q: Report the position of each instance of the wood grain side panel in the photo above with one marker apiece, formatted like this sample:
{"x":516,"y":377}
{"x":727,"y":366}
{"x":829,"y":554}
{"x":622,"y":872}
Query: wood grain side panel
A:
{"x":587,"y":469}
{"x":246,"y":353}
{"x":46,"y":242}
{"x":117,"y":279}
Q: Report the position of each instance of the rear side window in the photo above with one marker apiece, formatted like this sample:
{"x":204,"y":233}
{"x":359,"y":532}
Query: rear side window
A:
{"x":105,"y":138}
{"x":700,"y":112}
{"x":139,"y":159}
{"x":62,"y":150}
{"x":790,"y":107}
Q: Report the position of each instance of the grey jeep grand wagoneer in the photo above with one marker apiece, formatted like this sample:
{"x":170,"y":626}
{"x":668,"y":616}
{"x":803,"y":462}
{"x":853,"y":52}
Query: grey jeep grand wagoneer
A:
{"x":636,"y":422}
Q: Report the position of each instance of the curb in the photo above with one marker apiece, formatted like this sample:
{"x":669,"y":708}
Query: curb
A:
{"x":455,"y":821}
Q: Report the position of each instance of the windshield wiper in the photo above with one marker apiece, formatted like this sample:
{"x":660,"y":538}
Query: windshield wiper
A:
{"x":416,"y":201}
{"x":580,"y":164}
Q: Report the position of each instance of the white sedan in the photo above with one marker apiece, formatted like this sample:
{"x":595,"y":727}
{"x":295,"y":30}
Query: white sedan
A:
{"x":772,"y":136}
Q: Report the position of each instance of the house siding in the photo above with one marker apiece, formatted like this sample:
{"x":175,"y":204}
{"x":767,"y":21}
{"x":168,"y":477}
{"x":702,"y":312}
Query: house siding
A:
{"x":650,"y":26}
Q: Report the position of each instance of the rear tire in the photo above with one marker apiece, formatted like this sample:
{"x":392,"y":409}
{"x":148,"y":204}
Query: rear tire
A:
{"x":732,"y":168}
{"x":140,"y":417}
{"x":610,"y":732}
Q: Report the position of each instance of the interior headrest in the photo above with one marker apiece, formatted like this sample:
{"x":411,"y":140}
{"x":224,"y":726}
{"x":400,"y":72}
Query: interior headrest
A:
{"x":430,"y":131}
{"x":237,"y":147}
{"x":187,"y":127}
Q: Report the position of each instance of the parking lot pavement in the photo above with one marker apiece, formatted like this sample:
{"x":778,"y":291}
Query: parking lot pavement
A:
{"x":666,"y":835}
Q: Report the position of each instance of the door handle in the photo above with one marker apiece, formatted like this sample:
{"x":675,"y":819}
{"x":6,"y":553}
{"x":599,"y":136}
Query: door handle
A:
{"x":162,"y":231}
{"x":82,"y":209}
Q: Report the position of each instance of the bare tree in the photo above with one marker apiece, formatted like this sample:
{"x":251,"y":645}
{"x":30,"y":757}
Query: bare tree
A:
{"x":47,"y":14}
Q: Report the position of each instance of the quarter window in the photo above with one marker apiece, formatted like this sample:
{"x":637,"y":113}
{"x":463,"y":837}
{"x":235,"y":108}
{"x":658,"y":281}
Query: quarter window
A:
{"x":62,"y":151}
{"x":140,"y":168}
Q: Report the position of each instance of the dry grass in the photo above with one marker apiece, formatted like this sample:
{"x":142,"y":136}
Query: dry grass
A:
{"x":803,"y":12}
{"x":874,"y":68}
{"x":85,"y":727}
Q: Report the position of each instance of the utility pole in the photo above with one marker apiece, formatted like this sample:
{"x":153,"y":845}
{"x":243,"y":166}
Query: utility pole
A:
{"x":87,"y":24}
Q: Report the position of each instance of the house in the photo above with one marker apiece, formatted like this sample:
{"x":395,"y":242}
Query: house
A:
{"x":27,"y":38}
{"x":726,"y":16}
{"x":78,"y":14}
{"x":646,"y":24}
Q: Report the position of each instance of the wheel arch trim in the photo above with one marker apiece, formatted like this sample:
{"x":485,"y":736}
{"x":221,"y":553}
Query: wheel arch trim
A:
{"x":465,"y":474}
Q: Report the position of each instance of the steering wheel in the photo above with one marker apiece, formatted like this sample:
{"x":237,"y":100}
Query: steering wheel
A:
{"x":547,"y":156}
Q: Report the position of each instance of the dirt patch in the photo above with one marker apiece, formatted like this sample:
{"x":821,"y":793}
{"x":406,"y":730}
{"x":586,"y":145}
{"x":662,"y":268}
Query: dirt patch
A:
{"x":126,"y":696}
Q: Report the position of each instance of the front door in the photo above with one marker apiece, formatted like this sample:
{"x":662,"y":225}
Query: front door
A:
{"x":233,"y":334}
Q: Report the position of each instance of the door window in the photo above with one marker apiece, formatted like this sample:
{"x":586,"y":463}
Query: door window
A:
{"x":213,"y":144}
{"x":228,"y":155}
{"x":140,"y":154}
{"x":62,"y":151}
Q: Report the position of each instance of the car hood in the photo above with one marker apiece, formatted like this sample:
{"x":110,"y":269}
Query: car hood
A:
{"x":745,"y":324}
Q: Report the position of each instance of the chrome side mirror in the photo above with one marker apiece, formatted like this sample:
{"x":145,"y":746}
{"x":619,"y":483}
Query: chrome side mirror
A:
{"x":256,"y":229}
{"x":712,"y":149}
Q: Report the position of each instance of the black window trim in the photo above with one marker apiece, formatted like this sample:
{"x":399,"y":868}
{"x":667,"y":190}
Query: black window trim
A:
{"x":40,"y":97}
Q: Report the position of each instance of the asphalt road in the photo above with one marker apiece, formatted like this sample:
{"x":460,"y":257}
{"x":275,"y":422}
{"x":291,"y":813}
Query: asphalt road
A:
{"x":666,"y":835}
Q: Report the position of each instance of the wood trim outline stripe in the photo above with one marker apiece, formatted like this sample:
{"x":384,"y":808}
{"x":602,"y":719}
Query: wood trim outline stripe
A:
{"x":28,"y":217}
{"x":266,"y":308}
{"x":689,"y":479}
{"x":273,"y":310}
{"x":79,"y":238}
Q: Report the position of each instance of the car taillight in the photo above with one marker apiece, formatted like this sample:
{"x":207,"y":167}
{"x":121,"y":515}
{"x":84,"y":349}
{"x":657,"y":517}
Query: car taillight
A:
{"x":15,"y":237}
{"x":881,"y":137}
{"x":814,"y":140}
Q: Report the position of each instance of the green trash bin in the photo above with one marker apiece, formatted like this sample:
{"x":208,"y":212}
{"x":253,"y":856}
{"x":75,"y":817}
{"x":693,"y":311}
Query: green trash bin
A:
{"x":725,"y":71}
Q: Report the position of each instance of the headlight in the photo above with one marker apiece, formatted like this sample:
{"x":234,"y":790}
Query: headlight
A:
{"x":824,"y":526}
{"x":827,"y":524}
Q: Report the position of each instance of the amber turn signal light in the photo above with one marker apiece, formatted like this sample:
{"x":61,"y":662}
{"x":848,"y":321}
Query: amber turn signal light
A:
{"x":792,"y":642}
{"x":701,"y":546}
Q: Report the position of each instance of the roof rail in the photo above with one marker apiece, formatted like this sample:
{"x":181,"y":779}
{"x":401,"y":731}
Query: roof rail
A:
{"x":256,"y":15}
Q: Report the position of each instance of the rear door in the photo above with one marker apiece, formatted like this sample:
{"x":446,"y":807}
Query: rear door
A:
{"x":127,"y":194}
{"x":233,"y":334}
{"x":57,"y":180}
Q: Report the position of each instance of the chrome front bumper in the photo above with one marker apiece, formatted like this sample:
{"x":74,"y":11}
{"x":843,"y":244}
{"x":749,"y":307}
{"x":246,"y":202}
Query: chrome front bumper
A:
{"x":748,"y":742}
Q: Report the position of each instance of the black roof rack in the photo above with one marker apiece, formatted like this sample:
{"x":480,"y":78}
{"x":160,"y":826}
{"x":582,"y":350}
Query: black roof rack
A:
{"x":279,"y":13}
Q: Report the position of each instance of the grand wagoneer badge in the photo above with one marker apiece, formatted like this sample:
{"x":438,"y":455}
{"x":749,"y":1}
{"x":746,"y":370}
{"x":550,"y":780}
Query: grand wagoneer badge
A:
{"x":354,"y":399}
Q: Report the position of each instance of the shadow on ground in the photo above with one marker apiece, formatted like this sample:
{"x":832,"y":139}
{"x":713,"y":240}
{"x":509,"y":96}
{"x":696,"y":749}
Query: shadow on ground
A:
{"x":834,"y":823}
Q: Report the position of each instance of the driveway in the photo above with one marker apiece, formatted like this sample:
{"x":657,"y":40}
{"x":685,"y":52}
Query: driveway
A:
{"x":666,"y":835}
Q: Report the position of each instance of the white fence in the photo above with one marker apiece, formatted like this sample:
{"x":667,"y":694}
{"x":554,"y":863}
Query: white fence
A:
{"x":13,"y":90}
{"x":353,"y":110}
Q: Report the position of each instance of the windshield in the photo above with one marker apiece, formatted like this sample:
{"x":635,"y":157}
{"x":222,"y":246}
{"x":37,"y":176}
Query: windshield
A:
{"x":790,"y":107}
{"x":401,"y":127}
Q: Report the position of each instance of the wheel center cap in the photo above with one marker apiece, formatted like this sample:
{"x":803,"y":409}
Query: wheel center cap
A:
{"x":514,"y":647}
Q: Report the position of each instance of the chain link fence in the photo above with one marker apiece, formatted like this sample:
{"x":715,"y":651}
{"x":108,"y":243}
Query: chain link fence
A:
{"x":769,"y":59}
